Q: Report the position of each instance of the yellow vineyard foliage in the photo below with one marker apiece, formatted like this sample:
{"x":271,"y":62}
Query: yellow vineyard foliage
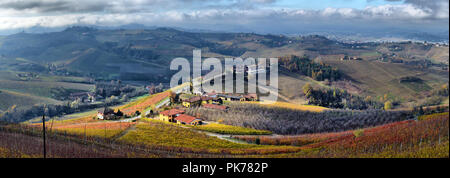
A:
{"x":293,"y":106}
{"x":228,"y":129}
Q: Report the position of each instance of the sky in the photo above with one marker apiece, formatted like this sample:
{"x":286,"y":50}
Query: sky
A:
{"x":264,"y":16}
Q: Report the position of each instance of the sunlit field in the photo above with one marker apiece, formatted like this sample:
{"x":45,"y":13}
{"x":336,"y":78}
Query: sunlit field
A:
{"x":409,"y":139}
{"x":144,"y":103}
{"x":228,"y":129}
{"x":292,"y":106}
{"x":157,"y":133}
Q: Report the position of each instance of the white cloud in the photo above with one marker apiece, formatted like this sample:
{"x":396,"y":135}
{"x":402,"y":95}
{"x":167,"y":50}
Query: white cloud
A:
{"x":404,"y":11}
{"x":17,"y":14}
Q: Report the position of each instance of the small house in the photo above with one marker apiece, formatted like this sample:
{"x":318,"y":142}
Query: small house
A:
{"x":251,"y":97}
{"x":82,"y":96}
{"x":91,"y":97}
{"x":188,"y":120}
{"x":105,"y":113}
{"x":212,"y":94}
{"x":206,"y":100}
{"x":230,"y":97}
{"x":191,"y":102}
{"x":170,"y":115}
{"x":217,"y":101}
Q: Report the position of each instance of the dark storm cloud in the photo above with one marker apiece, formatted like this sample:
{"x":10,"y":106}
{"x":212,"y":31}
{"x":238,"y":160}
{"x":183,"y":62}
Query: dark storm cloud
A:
{"x":45,"y":6}
{"x":127,"y":6}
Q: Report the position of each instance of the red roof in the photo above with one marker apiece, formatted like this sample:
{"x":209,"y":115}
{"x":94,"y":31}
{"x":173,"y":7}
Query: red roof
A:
{"x":206,"y":98}
{"x":251,"y":95}
{"x":193,"y":99}
{"x":185,"y":118}
{"x":172,"y":112}
{"x":215,"y":106}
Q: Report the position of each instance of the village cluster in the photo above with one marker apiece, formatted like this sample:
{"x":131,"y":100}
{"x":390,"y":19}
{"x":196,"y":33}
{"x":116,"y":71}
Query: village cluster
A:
{"x":184,"y":99}
{"x":207,"y":100}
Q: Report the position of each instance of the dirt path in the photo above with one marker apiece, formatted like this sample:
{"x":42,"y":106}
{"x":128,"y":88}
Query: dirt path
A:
{"x":116,"y":137}
{"x":227,"y":137}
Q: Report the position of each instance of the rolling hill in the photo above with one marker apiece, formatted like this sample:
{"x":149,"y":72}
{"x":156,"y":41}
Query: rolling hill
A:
{"x":22,"y":100}
{"x":145,"y":55}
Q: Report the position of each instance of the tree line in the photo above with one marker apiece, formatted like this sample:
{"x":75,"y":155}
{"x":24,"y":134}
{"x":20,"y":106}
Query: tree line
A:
{"x":304,"y":66}
{"x":338,"y":98}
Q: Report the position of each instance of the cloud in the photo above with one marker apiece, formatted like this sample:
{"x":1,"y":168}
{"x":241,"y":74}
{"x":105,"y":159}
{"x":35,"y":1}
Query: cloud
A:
{"x":47,"y":6}
{"x":436,"y":8}
{"x":122,"y":6}
{"x":218,"y":14}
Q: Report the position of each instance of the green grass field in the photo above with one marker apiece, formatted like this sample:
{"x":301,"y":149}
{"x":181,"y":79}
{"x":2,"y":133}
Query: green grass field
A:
{"x":11,"y":98}
{"x":378,"y":78}
{"x":43,"y":89}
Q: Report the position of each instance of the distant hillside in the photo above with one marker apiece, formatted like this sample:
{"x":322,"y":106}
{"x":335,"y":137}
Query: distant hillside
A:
{"x":145,"y":55}
{"x":21,"y":100}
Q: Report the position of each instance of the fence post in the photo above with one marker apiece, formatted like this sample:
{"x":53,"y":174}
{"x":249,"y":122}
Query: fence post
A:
{"x":43,"y":133}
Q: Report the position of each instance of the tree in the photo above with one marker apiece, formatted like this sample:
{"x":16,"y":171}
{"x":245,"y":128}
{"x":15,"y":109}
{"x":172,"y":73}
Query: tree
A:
{"x":257,"y":141}
{"x":388,"y":105}
{"x":385,"y":97}
{"x":137,"y":113}
{"x":421,"y":112}
{"x":173,"y":97}
{"x":119,"y":113}
{"x":75,"y":104}
{"x":124,"y":98}
{"x":307,"y":89}
{"x":152,"y":89}
{"x":111,"y":100}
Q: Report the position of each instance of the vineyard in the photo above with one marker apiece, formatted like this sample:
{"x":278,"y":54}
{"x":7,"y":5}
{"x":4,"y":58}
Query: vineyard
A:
{"x":21,"y":141}
{"x":424,"y":138}
{"x":252,"y":130}
{"x":228,"y":129}
{"x":144,"y":103}
{"x":286,"y":105}
{"x":157,"y":133}
{"x":99,"y":129}
{"x":293,"y":122}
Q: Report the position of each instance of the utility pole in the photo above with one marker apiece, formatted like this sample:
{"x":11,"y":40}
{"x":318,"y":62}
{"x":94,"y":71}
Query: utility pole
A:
{"x":43,"y":133}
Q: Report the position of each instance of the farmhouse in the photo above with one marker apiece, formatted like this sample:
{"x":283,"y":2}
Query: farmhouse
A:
{"x":192,"y":101}
{"x":251,"y":97}
{"x":170,"y":115}
{"x":217,"y":101}
{"x":188,"y":120}
{"x":212,"y":94}
{"x":206,"y":100}
{"x":79,"y":95}
{"x":105,"y":113}
{"x":229,"y":97}
{"x":91,"y":97}
{"x":198,"y":100}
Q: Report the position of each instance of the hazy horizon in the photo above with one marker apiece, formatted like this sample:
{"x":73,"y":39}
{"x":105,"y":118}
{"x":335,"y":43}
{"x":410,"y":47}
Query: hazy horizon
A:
{"x":366,"y":17}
